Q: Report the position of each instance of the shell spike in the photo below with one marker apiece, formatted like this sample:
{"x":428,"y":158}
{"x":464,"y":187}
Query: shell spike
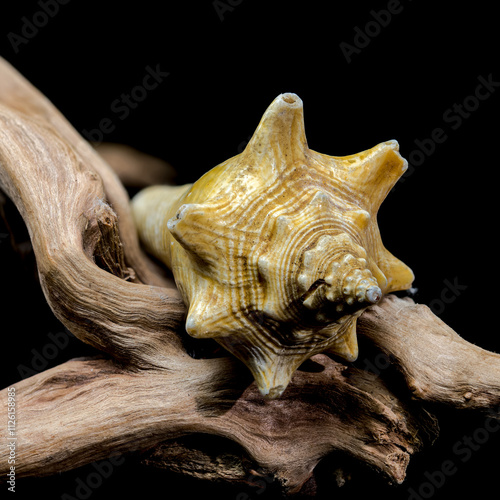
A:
{"x":189,"y":227}
{"x":271,"y":367}
{"x":400,"y":276}
{"x":207,"y":315}
{"x":360,"y":218}
{"x":273,"y":374}
{"x":346,"y":346}
{"x":280,"y":133}
{"x":374,"y":172}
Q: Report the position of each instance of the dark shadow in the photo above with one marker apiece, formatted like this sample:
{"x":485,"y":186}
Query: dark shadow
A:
{"x":310,"y":366}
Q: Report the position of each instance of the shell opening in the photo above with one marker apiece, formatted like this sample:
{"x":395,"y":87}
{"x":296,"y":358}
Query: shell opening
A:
{"x":289,"y":98}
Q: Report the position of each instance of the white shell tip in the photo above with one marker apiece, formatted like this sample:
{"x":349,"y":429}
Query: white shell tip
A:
{"x":291,"y":99}
{"x":350,"y":356}
{"x":172,"y":223}
{"x":373,"y":294}
{"x":273,"y":392}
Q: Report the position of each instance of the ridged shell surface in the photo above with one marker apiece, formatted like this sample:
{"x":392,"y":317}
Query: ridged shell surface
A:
{"x":277,"y":251}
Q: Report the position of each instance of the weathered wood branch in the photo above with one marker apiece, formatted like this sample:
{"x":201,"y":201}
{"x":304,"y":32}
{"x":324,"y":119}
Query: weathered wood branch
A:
{"x":20,"y":96}
{"x":70,"y":225}
{"x":437,"y":364}
{"x":134,"y":168}
{"x":100,"y":409}
{"x":356,"y":414}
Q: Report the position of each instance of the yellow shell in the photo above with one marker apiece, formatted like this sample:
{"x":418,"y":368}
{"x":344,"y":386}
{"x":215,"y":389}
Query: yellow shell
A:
{"x":277,"y":250}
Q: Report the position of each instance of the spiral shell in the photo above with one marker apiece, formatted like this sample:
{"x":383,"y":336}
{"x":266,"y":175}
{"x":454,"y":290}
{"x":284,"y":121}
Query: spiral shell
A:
{"x":277,"y":251}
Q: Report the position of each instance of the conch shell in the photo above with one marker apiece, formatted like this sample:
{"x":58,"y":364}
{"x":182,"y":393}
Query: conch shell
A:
{"x":277,"y":251}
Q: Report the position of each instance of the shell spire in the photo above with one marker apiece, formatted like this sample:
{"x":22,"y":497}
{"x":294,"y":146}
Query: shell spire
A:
{"x":276,"y":251}
{"x":333,"y":272}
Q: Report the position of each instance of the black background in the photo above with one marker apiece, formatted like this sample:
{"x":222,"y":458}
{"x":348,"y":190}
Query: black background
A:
{"x":224,"y":69}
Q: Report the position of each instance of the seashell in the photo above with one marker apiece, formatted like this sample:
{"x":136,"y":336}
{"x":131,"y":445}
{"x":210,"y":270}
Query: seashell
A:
{"x":276,"y":251}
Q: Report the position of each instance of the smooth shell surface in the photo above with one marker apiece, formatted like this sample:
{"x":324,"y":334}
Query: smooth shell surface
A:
{"x":277,"y":251}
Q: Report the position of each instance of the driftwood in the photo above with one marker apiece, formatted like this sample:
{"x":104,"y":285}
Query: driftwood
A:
{"x":148,"y":392}
{"x":135,"y":169}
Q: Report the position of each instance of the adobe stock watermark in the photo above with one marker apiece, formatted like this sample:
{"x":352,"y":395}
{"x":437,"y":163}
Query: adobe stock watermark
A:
{"x":453,"y":118}
{"x":363,"y":36}
{"x":260,"y":482}
{"x":11,"y":439}
{"x":380,"y":363}
{"x":122,"y":106}
{"x":31,"y":26}
{"x":85,"y":487}
{"x":462,"y":451}
{"x":41,"y":357}
{"x":223,"y":6}
{"x":449,"y":293}
{"x":243,"y":144}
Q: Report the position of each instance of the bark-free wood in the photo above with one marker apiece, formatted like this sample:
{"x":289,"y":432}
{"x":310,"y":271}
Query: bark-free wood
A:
{"x":20,"y":96}
{"x":71,"y":225}
{"x":134,"y":168}
{"x":437,"y":364}
{"x":87,"y":409}
{"x":148,"y":391}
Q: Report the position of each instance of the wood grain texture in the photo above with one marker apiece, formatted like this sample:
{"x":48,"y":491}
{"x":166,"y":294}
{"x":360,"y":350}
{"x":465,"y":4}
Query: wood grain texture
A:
{"x":438,"y":365}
